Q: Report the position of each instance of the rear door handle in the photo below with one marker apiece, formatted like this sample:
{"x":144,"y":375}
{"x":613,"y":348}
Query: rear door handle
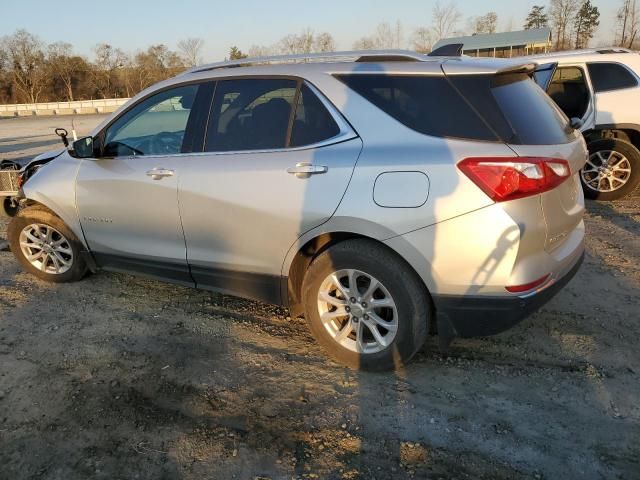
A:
{"x":160,"y":173}
{"x":305,"y":170}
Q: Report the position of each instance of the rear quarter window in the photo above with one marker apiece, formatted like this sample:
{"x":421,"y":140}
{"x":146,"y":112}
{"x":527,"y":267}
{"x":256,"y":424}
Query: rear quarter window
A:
{"x":426,"y":104}
{"x":516,"y":108}
{"x":606,"y":77}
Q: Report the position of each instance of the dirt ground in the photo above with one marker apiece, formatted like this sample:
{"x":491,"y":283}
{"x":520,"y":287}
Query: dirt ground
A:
{"x":117,"y":377}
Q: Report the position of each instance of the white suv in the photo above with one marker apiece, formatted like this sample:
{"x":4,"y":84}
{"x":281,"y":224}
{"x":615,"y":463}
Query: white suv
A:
{"x":600,"y":91}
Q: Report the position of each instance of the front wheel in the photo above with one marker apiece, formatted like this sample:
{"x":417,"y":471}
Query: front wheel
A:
{"x":612,"y":170}
{"x":365,"y":306}
{"x":45,"y":246}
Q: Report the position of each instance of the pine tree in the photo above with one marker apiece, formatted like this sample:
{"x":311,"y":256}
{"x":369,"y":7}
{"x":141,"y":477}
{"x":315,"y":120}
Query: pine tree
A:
{"x":236,"y":54}
{"x":585,"y":24}
{"x":537,"y":18}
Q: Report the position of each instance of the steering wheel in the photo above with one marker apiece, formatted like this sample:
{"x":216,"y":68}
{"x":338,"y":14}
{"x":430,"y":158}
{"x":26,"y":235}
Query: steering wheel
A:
{"x":165,"y":143}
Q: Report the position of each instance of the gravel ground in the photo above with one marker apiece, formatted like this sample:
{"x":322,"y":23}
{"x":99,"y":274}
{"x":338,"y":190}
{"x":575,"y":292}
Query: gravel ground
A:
{"x":118,"y":377}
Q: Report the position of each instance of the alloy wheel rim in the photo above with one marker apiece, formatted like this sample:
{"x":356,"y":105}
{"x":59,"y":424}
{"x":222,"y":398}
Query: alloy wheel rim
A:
{"x":358,"y":311}
{"x":606,"y":171}
{"x":46,"y":249}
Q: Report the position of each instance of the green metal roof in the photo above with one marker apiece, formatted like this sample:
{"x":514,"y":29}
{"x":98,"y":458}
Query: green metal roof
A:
{"x":499,"y":40}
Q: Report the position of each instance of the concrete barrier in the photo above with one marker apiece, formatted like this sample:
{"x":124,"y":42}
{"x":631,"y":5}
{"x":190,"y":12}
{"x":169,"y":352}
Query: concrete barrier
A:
{"x":81,"y":107}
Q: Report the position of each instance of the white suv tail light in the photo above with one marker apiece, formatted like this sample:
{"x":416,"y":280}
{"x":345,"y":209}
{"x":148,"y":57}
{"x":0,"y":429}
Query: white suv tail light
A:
{"x":508,"y":178}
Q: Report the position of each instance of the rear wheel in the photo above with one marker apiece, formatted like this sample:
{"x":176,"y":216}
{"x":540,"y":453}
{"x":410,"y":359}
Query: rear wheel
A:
{"x":612,"y":170}
{"x":365,"y":306}
{"x":45,"y":246}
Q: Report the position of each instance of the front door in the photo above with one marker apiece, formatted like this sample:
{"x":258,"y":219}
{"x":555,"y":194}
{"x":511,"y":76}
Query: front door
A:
{"x":278,"y":160}
{"x":128,"y":197}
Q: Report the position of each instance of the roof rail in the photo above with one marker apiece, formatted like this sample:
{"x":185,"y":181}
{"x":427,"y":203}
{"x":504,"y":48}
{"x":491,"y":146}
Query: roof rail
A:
{"x":605,"y":51}
{"x":354,"y":56}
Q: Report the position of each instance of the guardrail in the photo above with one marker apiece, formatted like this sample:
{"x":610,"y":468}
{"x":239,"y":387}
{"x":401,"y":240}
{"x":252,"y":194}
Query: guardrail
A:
{"x":80,"y":107}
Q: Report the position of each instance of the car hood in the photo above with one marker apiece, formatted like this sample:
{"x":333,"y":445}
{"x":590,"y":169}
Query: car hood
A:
{"x":44,"y":157}
{"x":49,"y":155}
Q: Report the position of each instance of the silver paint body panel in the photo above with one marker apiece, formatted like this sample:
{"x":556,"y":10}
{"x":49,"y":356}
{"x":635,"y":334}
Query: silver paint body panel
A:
{"x":242,"y":211}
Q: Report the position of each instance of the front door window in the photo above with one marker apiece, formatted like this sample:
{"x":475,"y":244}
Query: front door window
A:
{"x":155,"y":126}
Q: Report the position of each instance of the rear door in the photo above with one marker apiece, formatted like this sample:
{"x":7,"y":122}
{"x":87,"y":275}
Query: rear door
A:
{"x":569,"y":87}
{"x":278,"y":160}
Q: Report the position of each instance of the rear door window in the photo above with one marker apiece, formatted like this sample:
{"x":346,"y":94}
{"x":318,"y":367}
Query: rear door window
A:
{"x":426,"y":104}
{"x":312,"y":122}
{"x":606,"y":77}
{"x":251,"y":114}
{"x":516,"y":108}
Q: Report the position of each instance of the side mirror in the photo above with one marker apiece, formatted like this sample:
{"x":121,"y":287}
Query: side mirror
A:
{"x":576,"y":123}
{"x":83,"y":147}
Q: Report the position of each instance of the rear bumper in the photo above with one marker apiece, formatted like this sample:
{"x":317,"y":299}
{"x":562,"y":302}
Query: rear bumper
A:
{"x":474,"y":316}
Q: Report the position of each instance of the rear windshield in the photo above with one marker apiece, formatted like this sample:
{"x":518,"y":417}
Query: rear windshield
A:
{"x":509,"y":108}
{"x":516,"y":108}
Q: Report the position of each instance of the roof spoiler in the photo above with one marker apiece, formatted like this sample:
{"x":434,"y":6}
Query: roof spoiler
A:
{"x":450,"y":50}
{"x":528,"y":68}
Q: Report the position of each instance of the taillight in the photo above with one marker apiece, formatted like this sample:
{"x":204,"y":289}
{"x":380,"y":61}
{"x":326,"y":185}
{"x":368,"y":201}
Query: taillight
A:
{"x":508,"y":178}
{"x":527,"y":286}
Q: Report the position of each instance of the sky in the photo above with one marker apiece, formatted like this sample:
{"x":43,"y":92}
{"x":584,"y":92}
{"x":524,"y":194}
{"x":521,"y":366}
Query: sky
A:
{"x":133,"y":25}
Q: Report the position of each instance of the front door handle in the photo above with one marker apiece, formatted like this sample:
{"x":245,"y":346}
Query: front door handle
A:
{"x":160,"y":173}
{"x":305,"y":170}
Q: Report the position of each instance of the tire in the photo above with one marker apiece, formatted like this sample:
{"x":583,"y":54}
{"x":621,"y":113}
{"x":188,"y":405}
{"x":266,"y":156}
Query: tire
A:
{"x":615,"y":182}
{"x":408,"y":319}
{"x":62,"y":246}
{"x":7,"y":209}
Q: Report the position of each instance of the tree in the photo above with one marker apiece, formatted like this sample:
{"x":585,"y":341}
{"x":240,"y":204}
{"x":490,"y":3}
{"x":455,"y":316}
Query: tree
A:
{"x":384,"y":36}
{"x":324,"y":42}
{"x":27,"y":61}
{"x":585,"y":23}
{"x":562,"y":14}
{"x":445,"y":19}
{"x":295,"y":44}
{"x":64,"y":66}
{"x":104,"y":72}
{"x":422,"y":40}
{"x":486,"y":23}
{"x":364,"y":43}
{"x":261,"y":51}
{"x":236,"y":54}
{"x":628,"y":19}
{"x":508,"y":25}
{"x":155,"y":64}
{"x":537,"y":18}
{"x":190,"y":51}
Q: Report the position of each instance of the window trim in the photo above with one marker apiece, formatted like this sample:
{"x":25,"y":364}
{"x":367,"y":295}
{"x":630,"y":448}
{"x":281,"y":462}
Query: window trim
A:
{"x":345,"y":131}
{"x":629,"y":70}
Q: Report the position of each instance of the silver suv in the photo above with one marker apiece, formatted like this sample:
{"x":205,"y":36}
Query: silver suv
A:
{"x":384,"y":195}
